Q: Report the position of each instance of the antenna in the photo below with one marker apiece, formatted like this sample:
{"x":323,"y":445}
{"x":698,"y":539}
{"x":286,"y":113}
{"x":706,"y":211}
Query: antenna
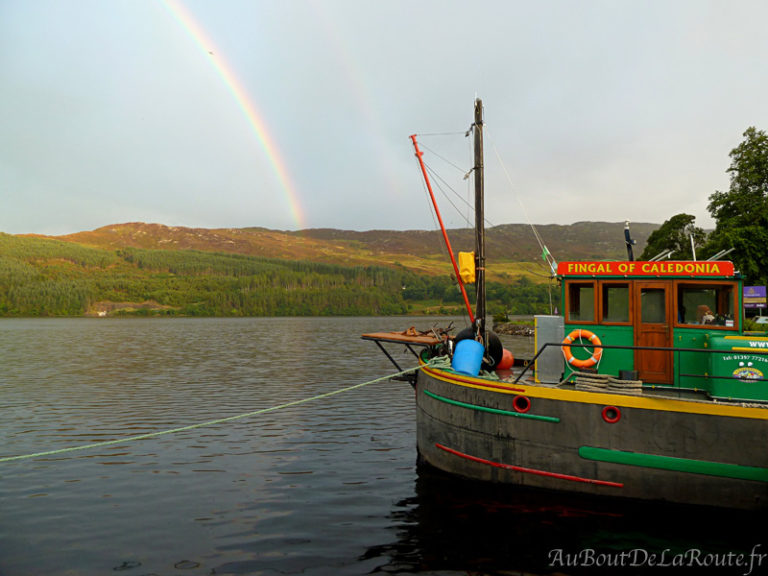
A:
{"x":720,"y":254}
{"x":662,"y":255}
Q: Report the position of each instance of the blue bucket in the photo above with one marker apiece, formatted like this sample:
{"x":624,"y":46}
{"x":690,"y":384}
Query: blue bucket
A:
{"x":468,"y":357}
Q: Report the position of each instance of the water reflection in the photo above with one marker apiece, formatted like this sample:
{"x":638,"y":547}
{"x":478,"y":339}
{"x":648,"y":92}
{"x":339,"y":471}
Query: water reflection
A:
{"x":455,"y":526}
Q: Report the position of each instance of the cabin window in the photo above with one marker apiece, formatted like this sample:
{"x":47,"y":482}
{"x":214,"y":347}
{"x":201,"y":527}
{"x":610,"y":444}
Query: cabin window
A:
{"x":706,"y":304}
{"x":614,"y":303}
{"x":653,"y":308}
{"x":581,"y":302}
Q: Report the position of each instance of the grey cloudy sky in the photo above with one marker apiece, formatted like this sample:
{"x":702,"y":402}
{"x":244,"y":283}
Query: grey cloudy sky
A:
{"x":296,"y":114}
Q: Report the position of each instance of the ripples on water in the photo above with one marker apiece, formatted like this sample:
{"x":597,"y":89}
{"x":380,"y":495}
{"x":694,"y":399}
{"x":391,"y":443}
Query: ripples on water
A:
{"x":326,"y":487}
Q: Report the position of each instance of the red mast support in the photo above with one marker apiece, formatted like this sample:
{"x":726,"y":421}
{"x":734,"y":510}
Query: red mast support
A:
{"x":442,"y":228}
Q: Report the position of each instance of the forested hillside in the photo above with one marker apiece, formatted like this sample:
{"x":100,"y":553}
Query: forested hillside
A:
{"x":40,"y":277}
{"x":46,"y":277}
{"x":151,"y":269}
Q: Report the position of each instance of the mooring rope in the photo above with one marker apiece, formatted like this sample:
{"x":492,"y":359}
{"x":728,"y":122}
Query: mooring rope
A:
{"x":208,"y":423}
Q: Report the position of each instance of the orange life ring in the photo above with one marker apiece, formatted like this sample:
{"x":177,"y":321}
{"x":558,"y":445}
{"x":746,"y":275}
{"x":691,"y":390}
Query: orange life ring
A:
{"x":578,"y":335}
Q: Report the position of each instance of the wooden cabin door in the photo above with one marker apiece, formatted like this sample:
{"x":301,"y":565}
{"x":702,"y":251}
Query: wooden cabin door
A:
{"x":653,"y":327}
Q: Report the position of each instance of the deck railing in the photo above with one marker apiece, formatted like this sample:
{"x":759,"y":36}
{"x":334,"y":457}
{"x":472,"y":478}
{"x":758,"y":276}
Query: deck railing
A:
{"x":757,"y":351}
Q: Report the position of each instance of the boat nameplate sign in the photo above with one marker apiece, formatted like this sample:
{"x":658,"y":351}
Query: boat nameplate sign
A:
{"x":641,"y":268}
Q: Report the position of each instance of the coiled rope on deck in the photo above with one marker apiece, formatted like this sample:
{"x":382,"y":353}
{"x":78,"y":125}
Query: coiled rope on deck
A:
{"x":209,"y":422}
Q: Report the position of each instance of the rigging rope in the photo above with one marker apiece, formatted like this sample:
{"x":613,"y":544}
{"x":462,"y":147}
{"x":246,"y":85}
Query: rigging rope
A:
{"x":545,"y":251}
{"x":546,"y":255}
{"x":208,"y":423}
{"x":438,"y":179}
{"x":441,"y":183}
{"x":420,"y":134}
{"x":444,"y":159}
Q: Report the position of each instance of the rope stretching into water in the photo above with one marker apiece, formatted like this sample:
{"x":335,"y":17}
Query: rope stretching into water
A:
{"x":208,"y":423}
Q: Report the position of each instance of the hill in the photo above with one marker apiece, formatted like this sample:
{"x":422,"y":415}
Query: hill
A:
{"x":151,"y":269}
{"x":418,"y":250}
{"x":49,"y":277}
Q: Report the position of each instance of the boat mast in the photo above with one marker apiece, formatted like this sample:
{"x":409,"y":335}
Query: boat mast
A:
{"x":479,"y":222}
{"x":419,"y":155}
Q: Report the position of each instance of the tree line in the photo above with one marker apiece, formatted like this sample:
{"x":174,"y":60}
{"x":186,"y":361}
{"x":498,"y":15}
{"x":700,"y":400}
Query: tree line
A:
{"x":42,"y":277}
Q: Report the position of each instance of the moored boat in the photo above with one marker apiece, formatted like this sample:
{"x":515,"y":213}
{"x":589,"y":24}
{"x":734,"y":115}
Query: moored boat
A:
{"x":646,"y":387}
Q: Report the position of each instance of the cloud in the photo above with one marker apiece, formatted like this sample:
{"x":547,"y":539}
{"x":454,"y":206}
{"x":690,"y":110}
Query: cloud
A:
{"x":596,"y":110}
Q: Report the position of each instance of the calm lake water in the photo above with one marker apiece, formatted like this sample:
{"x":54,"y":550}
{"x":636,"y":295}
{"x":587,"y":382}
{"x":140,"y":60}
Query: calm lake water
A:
{"x":329,"y":486}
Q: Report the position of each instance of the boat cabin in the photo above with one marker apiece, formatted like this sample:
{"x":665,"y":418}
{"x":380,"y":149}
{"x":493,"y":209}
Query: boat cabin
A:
{"x":662,"y":323}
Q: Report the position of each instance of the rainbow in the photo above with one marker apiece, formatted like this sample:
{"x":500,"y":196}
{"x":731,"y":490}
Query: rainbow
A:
{"x":253,"y":116}
{"x":358,"y":89}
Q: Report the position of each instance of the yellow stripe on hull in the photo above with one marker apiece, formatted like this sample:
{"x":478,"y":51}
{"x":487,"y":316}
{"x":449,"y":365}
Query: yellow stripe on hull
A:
{"x":586,"y":397}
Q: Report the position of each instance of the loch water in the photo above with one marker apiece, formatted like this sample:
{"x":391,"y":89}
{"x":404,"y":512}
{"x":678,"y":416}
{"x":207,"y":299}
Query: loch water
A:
{"x":298,"y":484}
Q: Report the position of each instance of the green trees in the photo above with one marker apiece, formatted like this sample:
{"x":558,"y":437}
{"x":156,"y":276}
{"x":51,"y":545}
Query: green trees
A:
{"x":675,"y":234}
{"x":741,"y":213}
{"x":40,"y":277}
{"x":521,"y":296}
{"x":48,"y":278}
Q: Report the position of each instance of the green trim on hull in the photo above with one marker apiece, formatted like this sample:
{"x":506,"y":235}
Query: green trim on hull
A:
{"x":675,"y":464}
{"x":492,"y":410}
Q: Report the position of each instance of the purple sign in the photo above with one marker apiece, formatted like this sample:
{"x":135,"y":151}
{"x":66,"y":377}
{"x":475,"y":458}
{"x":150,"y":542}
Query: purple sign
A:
{"x":754,"y":297}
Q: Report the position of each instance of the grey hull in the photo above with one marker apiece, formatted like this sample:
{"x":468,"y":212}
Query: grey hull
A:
{"x":613,"y":445}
